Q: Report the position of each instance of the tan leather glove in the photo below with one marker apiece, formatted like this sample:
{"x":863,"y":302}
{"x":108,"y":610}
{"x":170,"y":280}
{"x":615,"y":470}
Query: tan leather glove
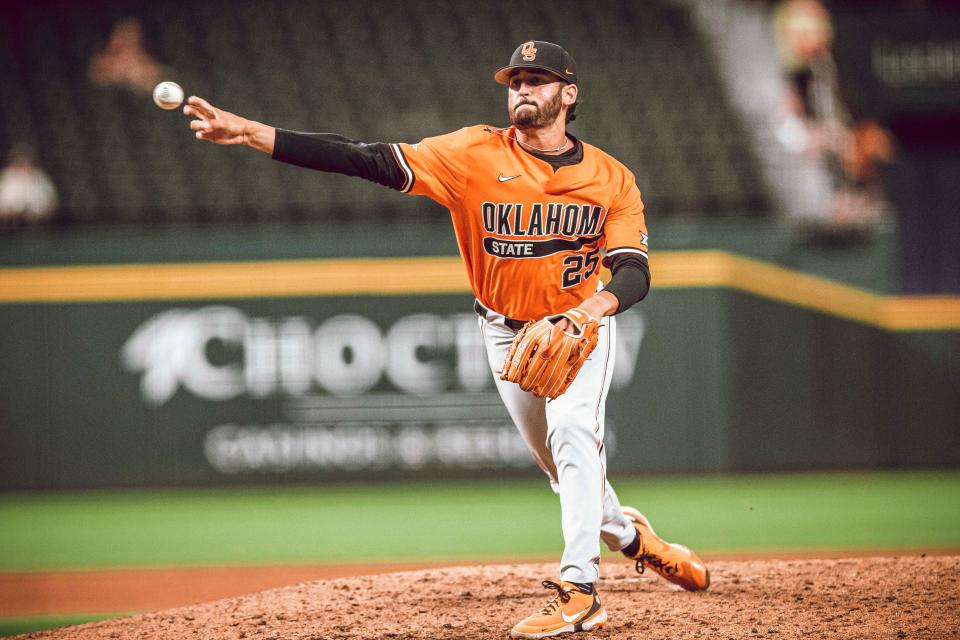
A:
{"x":544,"y":360}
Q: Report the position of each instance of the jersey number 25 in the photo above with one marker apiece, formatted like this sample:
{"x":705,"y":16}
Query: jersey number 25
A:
{"x":580,"y":267}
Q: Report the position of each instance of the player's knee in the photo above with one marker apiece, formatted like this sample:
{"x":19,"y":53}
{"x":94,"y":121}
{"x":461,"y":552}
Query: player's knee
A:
{"x":567,"y":436}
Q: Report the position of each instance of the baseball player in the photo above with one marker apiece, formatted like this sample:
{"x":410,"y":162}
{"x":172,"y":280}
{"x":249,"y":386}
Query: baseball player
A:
{"x":536,"y":212}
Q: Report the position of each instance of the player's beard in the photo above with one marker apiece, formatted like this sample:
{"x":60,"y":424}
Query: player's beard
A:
{"x":537,"y":117}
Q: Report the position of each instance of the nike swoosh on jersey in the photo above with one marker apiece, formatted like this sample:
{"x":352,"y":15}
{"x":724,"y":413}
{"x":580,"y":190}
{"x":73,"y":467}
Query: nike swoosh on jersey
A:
{"x":503,"y":178}
{"x":567,"y":618}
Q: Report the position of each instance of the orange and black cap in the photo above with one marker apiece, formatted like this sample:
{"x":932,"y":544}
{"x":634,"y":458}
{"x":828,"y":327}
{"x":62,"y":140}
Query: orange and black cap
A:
{"x":537,"y":54}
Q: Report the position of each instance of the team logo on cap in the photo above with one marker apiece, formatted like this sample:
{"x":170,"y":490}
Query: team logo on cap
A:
{"x":529,"y":51}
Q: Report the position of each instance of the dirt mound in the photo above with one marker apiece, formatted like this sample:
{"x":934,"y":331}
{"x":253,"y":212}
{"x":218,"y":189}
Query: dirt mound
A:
{"x":905,"y":597}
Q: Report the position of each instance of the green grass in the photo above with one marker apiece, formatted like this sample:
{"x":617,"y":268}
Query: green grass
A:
{"x":496,"y":519}
{"x":13,"y":626}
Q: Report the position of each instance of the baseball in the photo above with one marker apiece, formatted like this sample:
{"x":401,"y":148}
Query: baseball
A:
{"x":168,"y":95}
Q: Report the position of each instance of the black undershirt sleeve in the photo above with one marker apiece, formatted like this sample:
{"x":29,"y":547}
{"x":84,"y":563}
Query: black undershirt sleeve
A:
{"x":630,"y":281}
{"x":336,"y":154}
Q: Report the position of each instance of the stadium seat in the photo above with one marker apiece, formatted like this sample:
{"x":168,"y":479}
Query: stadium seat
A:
{"x":373,"y":71}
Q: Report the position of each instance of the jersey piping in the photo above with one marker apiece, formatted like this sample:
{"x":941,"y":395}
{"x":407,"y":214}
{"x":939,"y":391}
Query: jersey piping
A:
{"x":404,"y":166}
{"x":613,"y":252}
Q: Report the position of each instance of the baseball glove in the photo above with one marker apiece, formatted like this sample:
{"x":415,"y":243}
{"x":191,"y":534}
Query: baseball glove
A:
{"x":544,"y":360}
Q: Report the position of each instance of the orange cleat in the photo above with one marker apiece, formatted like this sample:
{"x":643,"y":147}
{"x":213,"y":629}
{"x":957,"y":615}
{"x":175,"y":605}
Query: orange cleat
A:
{"x":674,"y":562}
{"x":572,"y":610}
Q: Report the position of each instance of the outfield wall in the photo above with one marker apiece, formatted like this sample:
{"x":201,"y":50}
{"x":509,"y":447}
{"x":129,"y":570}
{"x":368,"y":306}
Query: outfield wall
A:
{"x":298,"y":370}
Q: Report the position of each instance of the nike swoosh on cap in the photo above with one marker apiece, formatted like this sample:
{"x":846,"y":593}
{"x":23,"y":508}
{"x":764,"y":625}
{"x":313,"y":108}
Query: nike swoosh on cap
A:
{"x":503,"y":178}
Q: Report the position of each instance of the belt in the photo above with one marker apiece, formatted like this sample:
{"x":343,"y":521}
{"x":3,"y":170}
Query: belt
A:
{"x":493,"y":316}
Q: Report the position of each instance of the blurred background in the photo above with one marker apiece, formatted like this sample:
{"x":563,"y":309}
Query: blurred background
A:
{"x":215,"y":359}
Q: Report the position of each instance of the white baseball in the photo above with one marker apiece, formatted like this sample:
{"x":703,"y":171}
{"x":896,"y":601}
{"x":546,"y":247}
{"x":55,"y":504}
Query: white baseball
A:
{"x":168,"y":95}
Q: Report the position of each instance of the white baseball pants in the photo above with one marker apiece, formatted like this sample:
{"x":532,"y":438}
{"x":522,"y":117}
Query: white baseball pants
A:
{"x":565,"y":437}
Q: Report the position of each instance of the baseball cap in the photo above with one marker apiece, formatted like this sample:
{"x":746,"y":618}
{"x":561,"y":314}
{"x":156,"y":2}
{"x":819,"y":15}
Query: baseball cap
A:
{"x":537,"y":54}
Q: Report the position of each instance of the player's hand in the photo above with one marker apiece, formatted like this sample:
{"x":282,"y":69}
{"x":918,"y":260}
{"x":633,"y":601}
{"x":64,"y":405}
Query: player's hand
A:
{"x":602,"y":304}
{"x":213,"y":124}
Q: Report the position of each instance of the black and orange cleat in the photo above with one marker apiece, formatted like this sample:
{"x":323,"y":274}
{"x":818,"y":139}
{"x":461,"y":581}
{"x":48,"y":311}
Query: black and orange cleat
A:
{"x":674,"y":562}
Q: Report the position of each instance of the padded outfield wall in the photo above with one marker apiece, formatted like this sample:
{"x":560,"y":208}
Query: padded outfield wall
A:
{"x":293,"y":369}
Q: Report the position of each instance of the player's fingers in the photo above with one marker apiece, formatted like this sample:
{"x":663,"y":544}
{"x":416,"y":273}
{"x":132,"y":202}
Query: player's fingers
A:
{"x":193,"y":108}
{"x":189,"y":110}
{"x":208,"y":134}
{"x":204,"y":108}
{"x":200,"y":125}
{"x":218,"y":136}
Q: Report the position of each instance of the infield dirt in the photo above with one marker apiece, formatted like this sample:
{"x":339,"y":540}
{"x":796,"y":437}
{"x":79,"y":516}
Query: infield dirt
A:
{"x":896,"y":598}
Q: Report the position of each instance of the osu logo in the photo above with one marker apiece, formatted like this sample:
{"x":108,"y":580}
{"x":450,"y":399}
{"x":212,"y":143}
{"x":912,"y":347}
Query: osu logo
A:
{"x":529,"y":51}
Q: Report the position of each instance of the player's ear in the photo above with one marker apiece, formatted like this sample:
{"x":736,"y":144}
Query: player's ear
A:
{"x":569,"y":94}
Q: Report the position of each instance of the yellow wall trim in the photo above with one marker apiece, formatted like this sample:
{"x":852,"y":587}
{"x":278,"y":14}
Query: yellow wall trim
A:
{"x":676,"y":269}
{"x":212,"y":280}
{"x":438,"y":275}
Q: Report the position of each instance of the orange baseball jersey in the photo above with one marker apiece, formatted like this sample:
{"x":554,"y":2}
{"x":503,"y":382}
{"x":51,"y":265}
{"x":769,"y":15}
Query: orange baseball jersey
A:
{"x":531,"y":237}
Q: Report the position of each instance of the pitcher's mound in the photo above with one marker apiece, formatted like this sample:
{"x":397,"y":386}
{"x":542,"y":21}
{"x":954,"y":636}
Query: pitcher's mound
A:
{"x":891,"y":598}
